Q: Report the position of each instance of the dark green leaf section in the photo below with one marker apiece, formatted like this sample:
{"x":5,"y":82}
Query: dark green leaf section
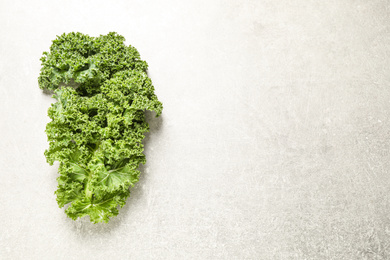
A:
{"x":98,"y":126}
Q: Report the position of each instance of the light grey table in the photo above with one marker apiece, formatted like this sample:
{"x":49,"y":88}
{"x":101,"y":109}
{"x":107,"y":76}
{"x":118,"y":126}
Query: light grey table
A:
{"x":273,"y":143}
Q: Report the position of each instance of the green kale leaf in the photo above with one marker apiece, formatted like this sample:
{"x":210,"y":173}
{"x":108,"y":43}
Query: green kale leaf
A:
{"x":98,"y":122}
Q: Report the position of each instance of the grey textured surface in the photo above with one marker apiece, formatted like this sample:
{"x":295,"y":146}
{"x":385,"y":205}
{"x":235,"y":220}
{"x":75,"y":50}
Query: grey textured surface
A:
{"x":273,"y":143}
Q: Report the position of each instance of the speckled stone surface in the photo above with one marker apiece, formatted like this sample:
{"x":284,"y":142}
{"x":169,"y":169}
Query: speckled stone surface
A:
{"x":273,"y":143}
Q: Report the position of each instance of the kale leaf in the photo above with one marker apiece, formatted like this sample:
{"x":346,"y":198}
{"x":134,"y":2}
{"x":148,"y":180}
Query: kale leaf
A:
{"x":98,"y":122}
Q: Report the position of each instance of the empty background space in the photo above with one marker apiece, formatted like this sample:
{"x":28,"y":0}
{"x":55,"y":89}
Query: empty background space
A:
{"x":273,"y":143}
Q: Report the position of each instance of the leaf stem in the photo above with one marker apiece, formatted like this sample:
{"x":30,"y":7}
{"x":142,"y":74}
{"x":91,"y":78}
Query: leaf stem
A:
{"x":88,"y":188}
